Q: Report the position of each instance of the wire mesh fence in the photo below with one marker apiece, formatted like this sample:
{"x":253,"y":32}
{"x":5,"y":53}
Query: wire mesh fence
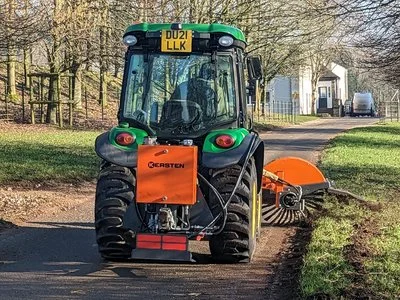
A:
{"x":389,"y":111}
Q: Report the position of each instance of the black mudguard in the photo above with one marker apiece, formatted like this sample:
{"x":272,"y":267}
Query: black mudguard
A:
{"x":112,"y":154}
{"x":237,"y":156}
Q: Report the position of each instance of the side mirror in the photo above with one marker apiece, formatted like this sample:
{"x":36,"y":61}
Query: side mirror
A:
{"x":254,"y":67}
{"x":154,"y":112}
{"x":251,"y":90}
{"x":249,"y":123}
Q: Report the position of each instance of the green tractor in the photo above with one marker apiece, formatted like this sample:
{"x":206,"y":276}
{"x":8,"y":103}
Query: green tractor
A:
{"x":184,"y":163}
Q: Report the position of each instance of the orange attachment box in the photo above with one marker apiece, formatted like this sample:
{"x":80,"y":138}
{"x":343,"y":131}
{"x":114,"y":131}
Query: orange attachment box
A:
{"x":166,"y":174}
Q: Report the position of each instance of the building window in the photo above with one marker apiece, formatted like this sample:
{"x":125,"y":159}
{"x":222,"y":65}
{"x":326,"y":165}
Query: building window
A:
{"x":329,"y":91}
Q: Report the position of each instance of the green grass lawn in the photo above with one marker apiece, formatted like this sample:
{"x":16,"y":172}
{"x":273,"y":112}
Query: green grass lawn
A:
{"x":38,"y":155}
{"x":365,"y":161}
{"x":305,"y":118}
{"x":280,"y":121}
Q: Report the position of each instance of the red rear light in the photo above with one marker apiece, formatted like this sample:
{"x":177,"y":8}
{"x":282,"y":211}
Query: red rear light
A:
{"x":225,"y":141}
{"x":161,"y":242}
{"x":125,"y":139}
{"x":175,"y":239}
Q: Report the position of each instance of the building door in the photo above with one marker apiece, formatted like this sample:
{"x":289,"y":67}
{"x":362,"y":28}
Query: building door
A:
{"x":323,"y":97}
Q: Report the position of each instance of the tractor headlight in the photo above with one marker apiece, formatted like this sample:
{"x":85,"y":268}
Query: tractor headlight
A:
{"x":225,"y":41}
{"x":130,"y":40}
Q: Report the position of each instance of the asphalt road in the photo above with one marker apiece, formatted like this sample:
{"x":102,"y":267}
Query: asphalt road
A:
{"x":307,"y":140}
{"x":55,"y":256}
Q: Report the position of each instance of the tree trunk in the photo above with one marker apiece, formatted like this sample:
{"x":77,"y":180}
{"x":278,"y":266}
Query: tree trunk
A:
{"x":11,"y":56}
{"x":104,"y":32}
{"x":314,"y":84}
{"x":27,"y":66}
{"x":103,"y":88}
{"x":52,"y":57}
{"x":210,"y":11}
{"x":89,"y":56}
{"x":11,"y":81}
{"x":117,"y":65}
{"x":178,"y":13}
{"x":103,"y":69}
{"x":116,"y":70}
{"x":144,"y":16}
{"x":27,"y":55}
{"x":52,"y":98}
{"x":77,"y":87}
{"x":191,"y":17}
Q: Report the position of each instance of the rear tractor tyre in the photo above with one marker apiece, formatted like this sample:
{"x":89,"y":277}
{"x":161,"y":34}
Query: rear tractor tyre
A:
{"x":114,"y":193}
{"x":237,"y":241}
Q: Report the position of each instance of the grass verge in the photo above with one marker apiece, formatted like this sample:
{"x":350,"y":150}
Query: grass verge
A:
{"x":276,"y":121}
{"x":354,"y":250}
{"x":37,"y":154}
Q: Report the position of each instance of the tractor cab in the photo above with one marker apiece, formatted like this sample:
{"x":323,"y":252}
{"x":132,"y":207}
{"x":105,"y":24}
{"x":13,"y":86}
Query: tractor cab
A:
{"x":183,"y":80}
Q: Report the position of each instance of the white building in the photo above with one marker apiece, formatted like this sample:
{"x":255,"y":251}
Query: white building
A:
{"x":305,"y":90}
{"x":332,"y":88}
{"x":283,"y":94}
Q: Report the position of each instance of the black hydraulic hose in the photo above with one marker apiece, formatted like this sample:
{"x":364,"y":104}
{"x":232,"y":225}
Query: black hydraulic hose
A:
{"x":231,"y":196}
{"x":143,"y":223}
{"x":220,"y":200}
{"x":219,"y":197}
{"x":249,"y":153}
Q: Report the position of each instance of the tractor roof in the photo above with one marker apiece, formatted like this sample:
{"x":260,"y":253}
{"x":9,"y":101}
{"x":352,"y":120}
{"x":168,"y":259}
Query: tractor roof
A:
{"x":201,"y":28}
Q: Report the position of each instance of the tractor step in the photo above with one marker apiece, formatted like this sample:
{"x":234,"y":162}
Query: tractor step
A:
{"x":162,"y":247}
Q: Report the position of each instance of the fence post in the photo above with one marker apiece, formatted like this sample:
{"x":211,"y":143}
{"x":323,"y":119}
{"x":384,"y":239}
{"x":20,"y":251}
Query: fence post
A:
{"x":391,"y":111}
{"x":284,"y":111}
{"x":102,"y":110}
{"x":287,"y":112}
{"x":6,"y":98}
{"x":60,"y":110}
{"x":70,"y":114}
{"x":398,"y":106}
{"x":41,"y":99}
{"x":386,"y":110}
{"x":86,"y":104}
{"x":30,"y":89}
{"x":32,"y":114}
{"x":277,"y":110}
{"x":291,"y":111}
{"x":70,"y":91}
{"x":23,"y":103}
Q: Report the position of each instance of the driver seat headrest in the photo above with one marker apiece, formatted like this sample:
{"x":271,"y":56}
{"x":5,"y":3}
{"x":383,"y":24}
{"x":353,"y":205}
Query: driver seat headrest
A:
{"x":175,"y":112}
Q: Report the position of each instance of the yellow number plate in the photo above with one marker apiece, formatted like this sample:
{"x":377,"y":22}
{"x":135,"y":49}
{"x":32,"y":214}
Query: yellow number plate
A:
{"x":176,"y":41}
